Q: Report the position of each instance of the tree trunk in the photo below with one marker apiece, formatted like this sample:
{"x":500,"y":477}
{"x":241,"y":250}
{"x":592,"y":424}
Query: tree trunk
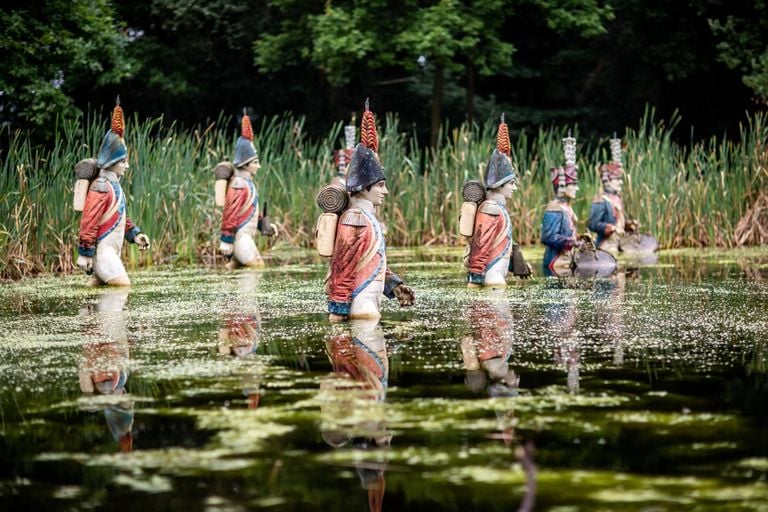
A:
{"x":437,"y":102}
{"x":469,"y":104}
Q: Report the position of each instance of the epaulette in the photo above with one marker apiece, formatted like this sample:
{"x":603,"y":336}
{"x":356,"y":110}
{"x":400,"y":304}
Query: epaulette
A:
{"x":554,"y":206}
{"x":237,"y":182}
{"x":490,"y":208}
{"x":99,"y":185}
{"x":354,"y":217}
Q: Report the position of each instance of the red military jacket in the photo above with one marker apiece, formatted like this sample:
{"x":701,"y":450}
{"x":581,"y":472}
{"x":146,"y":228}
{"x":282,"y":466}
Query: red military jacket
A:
{"x":491,"y":240}
{"x":359,"y":258}
{"x":491,"y":330}
{"x":103,"y":211}
{"x":241,"y":205}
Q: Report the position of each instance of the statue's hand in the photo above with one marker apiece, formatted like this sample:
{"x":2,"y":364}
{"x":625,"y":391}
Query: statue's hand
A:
{"x":85,"y":263}
{"x":226,"y":249}
{"x":405,"y":295}
{"x":142,"y":241}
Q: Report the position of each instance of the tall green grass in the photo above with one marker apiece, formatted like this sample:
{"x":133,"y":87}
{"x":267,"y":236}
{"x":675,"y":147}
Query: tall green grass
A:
{"x":685,"y":195}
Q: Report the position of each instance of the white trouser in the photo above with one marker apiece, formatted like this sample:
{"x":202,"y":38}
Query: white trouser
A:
{"x":106,"y":262}
{"x":367,"y":304}
{"x":245,"y":251}
{"x":496,"y":275}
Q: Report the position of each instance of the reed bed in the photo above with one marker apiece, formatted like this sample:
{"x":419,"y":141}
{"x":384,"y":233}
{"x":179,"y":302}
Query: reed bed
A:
{"x":692,"y":195}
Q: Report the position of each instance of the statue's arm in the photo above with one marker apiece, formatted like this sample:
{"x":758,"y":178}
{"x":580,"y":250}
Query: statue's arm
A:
{"x":599,"y":220}
{"x":131,"y":230}
{"x":550,"y":231}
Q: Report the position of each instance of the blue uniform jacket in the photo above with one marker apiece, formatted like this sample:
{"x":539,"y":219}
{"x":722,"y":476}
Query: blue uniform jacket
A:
{"x":556,"y":233}
{"x":600,"y":216}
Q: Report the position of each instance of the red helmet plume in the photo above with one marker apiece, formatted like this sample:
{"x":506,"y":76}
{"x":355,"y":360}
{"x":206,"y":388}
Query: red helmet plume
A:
{"x":246,"y":130}
{"x":502,"y":138}
{"x":368,"y":135}
{"x":118,"y":123}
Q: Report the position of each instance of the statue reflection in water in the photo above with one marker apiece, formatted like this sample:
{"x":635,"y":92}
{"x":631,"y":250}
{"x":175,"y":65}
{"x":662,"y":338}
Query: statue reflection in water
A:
{"x":486,"y":352}
{"x":352,"y":399}
{"x":239,"y":335}
{"x":609,"y":306}
{"x":561,"y":319}
{"x":104,"y":366}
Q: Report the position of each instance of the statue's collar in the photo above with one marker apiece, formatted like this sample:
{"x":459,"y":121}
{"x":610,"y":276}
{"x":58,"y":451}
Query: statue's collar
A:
{"x":495,"y":196}
{"x":363,"y":204}
{"x":243,"y":174}
{"x":110,"y":175}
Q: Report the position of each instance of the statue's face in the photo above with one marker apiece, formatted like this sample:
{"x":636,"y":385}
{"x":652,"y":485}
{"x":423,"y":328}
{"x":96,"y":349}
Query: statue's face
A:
{"x":252,"y":166}
{"x":376,"y":194}
{"x":570,"y":190}
{"x":615,"y":184}
{"x":508,"y":189}
{"x":120,"y":167}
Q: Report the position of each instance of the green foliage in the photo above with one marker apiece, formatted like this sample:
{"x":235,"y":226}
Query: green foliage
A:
{"x":744,"y":45}
{"x":53,"y":48}
{"x":181,"y":74}
{"x":586,"y":17}
{"x":441,"y":32}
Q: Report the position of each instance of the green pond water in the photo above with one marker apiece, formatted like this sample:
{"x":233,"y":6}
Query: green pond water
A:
{"x":231,"y":391}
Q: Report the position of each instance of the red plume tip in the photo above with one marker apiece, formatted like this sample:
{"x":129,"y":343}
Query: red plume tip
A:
{"x":246,"y":130}
{"x":368,"y":135}
{"x":118,"y":123}
{"x":502,"y":138}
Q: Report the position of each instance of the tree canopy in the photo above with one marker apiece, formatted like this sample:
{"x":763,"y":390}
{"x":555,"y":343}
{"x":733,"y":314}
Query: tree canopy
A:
{"x":53,"y":49}
{"x":595,"y":62}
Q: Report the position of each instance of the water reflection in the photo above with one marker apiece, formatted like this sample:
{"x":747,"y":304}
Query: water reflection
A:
{"x":609,"y":306}
{"x":486,"y":351}
{"x":560,"y":317}
{"x":669,"y":363}
{"x":351,"y":398}
{"x":104,"y":365}
{"x":240,"y":332}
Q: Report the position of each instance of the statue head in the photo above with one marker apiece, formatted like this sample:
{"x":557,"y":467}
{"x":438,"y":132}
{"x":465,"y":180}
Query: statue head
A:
{"x":113,"y":147}
{"x":565,"y":181}
{"x":612,"y":173}
{"x":506,"y":190}
{"x":119,"y":167}
{"x":365,"y":169}
{"x":499,"y":169}
{"x":245,"y":152}
{"x":374,"y":193}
